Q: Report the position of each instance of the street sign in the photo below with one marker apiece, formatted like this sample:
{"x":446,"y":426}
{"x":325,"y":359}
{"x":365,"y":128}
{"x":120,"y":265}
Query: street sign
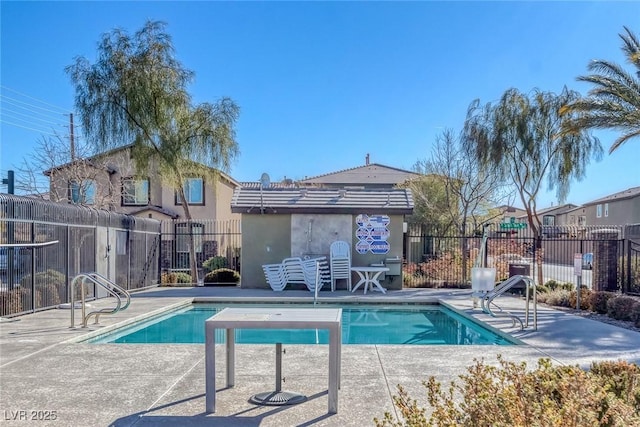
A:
{"x":513,"y":225}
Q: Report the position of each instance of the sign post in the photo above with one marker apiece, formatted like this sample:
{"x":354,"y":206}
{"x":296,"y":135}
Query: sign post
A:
{"x":577,"y":270}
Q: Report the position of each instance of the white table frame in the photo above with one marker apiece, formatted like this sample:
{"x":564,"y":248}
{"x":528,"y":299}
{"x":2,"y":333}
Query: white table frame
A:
{"x":369,"y":277}
{"x":232,"y":318}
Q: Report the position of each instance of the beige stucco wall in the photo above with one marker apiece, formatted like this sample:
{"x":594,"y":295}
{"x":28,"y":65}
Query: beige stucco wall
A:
{"x":217,"y":197}
{"x":265,"y":240}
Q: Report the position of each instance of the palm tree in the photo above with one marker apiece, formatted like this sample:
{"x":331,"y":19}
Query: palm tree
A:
{"x":614,"y":100}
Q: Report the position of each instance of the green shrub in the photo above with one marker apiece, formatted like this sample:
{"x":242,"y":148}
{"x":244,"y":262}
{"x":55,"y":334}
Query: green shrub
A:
{"x":513,"y":395}
{"x":620,"y":378}
{"x":552,"y":285}
{"x":222,"y":275}
{"x":620,"y":307}
{"x":215,"y":263}
{"x":43,"y":278}
{"x":183,"y":278}
{"x":599,"y":300}
{"x":50,"y":286}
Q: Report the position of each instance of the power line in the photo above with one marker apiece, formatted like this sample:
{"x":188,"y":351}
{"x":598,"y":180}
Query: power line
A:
{"x":20,"y":104}
{"x":26,"y":127}
{"x":35,"y":99}
{"x":31,"y":117}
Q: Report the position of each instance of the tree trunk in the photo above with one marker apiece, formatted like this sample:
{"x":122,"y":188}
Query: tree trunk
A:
{"x":193,"y":264}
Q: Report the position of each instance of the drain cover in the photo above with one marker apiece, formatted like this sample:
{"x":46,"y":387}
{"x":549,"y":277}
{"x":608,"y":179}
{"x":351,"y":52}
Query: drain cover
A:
{"x":277,"y":398}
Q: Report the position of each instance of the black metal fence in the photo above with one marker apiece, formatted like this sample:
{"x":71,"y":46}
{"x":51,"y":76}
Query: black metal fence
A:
{"x":608,"y":257}
{"x":216,"y":243}
{"x":34,"y":278}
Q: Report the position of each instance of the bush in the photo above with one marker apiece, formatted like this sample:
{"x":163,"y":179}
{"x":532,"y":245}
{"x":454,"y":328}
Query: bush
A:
{"x":222,"y":275}
{"x":512,"y":395}
{"x":175,"y":277}
{"x":585,"y":298}
{"x":599,"y":300}
{"x":557,"y":297}
{"x":215,"y":263}
{"x":620,"y":308}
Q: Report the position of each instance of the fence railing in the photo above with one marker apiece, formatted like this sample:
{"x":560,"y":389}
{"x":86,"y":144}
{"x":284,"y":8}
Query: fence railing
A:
{"x":216,"y":243}
{"x":609,"y":260}
{"x":35,"y":278}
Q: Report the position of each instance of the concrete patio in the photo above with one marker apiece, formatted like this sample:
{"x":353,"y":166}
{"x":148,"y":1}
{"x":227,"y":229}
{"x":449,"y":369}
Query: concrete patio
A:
{"x":42,"y":369}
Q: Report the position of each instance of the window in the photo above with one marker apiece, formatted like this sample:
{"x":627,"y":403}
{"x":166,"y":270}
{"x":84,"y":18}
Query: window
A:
{"x":548,"y":220}
{"x":82,"y":192}
{"x":193,"y":191}
{"x":582,"y":220}
{"x":572,"y":219}
{"x":598,"y":211}
{"x":182,"y":236}
{"x":606,"y":210}
{"x":135,"y":192}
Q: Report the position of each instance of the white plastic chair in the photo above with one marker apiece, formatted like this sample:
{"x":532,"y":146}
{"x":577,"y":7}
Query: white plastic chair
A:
{"x":340,"y":263}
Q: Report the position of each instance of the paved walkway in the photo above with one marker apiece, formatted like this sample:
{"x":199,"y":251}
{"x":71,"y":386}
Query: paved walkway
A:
{"x":41,"y":369}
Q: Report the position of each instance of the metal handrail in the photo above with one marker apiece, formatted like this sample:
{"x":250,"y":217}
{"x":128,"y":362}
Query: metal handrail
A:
{"x":116,"y":287}
{"x":488,"y":298}
{"x":106,"y":284}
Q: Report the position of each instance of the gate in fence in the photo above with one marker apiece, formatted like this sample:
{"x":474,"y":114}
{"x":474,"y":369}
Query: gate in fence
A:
{"x":217,"y":242}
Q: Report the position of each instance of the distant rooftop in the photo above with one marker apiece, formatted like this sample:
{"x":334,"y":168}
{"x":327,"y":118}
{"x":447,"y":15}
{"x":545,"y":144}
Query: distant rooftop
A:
{"x":621,"y":195}
{"x":321,"y":200}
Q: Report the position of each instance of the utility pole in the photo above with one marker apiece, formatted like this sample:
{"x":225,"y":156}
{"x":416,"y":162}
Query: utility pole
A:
{"x":71,"y":140}
{"x":9,"y":181}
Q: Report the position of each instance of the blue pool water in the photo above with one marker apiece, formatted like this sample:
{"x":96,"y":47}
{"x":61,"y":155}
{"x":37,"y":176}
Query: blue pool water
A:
{"x":431,"y":324}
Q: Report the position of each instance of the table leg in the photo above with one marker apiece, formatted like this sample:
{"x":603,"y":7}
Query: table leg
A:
{"x":231,"y":358}
{"x":362,"y":280}
{"x":375,"y":281}
{"x":210,"y":368}
{"x":334,"y":370}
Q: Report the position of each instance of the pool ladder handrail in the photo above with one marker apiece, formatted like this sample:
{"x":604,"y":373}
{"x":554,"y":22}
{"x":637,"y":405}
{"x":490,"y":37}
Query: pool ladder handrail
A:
{"x":116,"y":291}
{"x":487,"y":299}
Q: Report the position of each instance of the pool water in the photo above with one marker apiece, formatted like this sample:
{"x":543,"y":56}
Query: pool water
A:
{"x":430,"y":324}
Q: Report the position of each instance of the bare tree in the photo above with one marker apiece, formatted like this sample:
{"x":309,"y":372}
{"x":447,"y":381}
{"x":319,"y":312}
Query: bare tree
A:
{"x":60,"y":173}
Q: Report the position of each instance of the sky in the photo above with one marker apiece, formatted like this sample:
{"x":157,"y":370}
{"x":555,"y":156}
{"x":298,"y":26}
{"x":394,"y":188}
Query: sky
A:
{"x":322,"y":84}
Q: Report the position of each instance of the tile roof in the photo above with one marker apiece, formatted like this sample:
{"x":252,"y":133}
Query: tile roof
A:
{"x":621,"y":195}
{"x":373,"y":173}
{"x":319,"y":200}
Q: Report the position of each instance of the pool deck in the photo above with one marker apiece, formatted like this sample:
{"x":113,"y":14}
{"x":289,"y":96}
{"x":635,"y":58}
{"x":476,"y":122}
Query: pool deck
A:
{"x":42,"y":369}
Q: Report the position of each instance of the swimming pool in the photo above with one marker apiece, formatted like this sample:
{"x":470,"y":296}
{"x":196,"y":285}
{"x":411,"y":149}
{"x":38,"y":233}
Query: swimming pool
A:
{"x":406,"y":324}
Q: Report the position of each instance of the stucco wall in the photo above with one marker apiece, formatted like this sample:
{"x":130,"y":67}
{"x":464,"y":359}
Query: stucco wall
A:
{"x":265,"y":240}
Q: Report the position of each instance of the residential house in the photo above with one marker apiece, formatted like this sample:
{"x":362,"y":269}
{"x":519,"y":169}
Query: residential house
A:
{"x":620,"y":208}
{"x":369,"y":176}
{"x":110,"y":181}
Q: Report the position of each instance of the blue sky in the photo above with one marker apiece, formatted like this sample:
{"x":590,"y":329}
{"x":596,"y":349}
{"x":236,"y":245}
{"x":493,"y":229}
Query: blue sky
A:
{"x":321,"y":84}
